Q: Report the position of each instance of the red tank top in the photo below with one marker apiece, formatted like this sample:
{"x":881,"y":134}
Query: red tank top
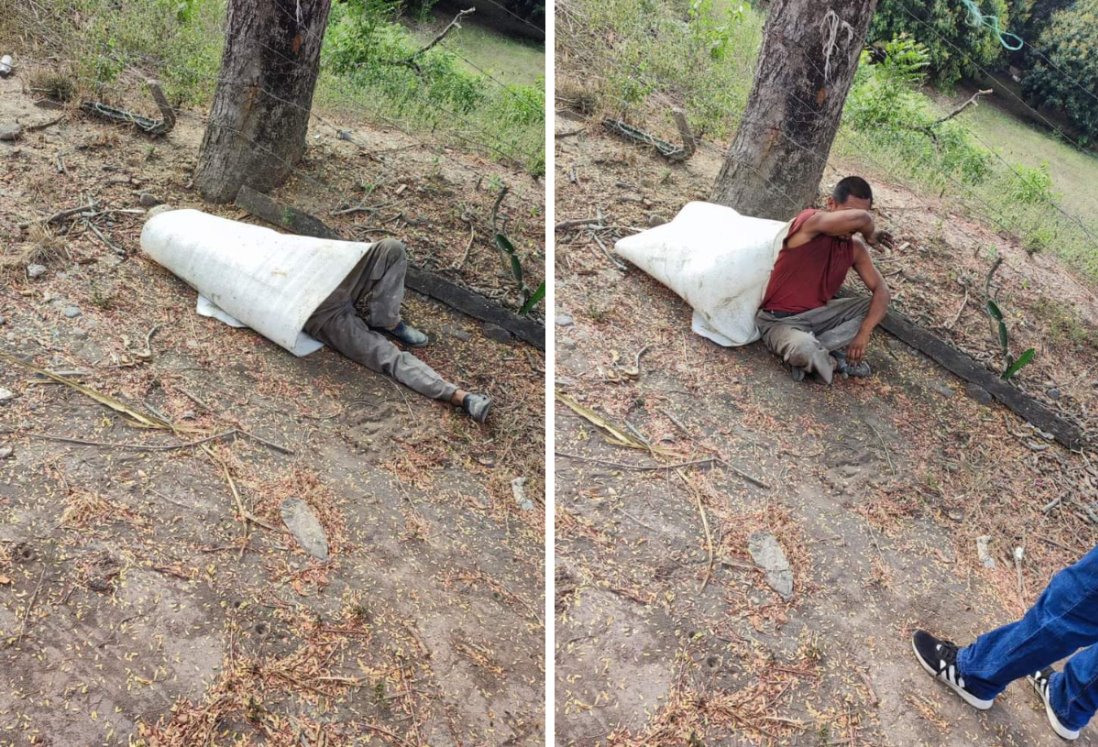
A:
{"x":808,"y":276}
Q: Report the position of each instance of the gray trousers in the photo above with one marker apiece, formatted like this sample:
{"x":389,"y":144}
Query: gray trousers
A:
{"x":378,"y":283}
{"x":806,"y":340}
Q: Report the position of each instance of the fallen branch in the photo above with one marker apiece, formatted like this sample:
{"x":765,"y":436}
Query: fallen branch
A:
{"x":705,"y":526}
{"x":146,"y":125}
{"x":1036,"y":413}
{"x":638,"y":467}
{"x":581,"y":222}
{"x":27,"y":611}
{"x":454,"y":24}
{"x":124,"y":446}
{"x":960,"y":310}
{"x":971,"y":102}
{"x":245,"y":516}
{"x":138,"y":418}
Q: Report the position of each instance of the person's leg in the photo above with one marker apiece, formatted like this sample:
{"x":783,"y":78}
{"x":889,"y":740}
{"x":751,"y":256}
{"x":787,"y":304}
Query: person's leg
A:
{"x":1062,"y":620}
{"x":796,"y":346}
{"x":1073,"y":693}
{"x":378,"y":282}
{"x":836,"y":324}
{"x":345,"y":332}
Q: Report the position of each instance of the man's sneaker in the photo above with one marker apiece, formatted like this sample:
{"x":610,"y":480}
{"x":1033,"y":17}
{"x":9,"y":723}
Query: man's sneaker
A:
{"x":477,"y":406}
{"x":939,"y":659}
{"x":407,"y":334}
{"x":797,"y":373}
{"x":859,"y":370}
{"x":1040,"y":681}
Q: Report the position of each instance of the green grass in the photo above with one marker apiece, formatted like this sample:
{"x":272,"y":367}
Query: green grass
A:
{"x":505,"y":59}
{"x":617,"y":56}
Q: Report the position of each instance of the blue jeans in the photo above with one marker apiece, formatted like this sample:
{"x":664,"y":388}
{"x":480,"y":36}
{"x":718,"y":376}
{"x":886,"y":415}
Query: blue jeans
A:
{"x":1063,"y":620}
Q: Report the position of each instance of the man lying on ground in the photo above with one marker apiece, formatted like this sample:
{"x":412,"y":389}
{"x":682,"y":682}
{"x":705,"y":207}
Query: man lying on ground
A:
{"x":799,"y":318}
{"x":377,"y":283}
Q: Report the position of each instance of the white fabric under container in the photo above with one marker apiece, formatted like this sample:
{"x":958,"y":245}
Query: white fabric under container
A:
{"x":716,"y":260}
{"x":249,"y":275}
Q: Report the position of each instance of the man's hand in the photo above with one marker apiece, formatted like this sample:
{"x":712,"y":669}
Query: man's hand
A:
{"x":855,"y":351}
{"x":881,"y":238}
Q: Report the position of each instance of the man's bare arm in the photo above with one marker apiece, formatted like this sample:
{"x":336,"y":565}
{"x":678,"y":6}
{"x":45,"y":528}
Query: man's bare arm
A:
{"x":842,"y":223}
{"x":878,"y":305}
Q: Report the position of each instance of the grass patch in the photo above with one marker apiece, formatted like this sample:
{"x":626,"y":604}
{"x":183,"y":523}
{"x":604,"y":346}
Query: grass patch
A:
{"x":505,"y":59}
{"x":619,"y":56}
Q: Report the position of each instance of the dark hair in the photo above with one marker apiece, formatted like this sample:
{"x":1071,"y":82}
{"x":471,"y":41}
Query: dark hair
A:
{"x":852,"y":186}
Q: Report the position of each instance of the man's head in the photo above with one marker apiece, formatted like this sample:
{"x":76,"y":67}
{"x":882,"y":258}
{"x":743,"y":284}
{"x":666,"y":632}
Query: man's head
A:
{"x":852,"y":192}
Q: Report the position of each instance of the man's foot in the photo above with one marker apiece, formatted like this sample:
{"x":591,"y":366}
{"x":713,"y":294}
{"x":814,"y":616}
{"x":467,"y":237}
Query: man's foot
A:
{"x":407,"y":334}
{"x":1040,"y":681}
{"x":859,"y":370}
{"x":477,"y":406}
{"x":939,"y":658}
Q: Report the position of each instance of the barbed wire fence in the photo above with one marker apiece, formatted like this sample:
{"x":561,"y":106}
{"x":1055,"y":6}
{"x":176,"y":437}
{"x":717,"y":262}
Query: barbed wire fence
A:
{"x":467,"y":136}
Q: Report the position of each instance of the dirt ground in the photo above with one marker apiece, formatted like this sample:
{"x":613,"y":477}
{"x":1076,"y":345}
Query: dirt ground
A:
{"x":877,"y":490}
{"x":136,"y":605}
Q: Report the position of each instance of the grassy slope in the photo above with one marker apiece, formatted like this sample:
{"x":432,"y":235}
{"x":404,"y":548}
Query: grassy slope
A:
{"x":1073,"y":172}
{"x":505,"y":59}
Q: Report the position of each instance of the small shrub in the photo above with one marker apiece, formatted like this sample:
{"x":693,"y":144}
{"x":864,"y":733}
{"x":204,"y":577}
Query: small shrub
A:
{"x":1032,"y":185}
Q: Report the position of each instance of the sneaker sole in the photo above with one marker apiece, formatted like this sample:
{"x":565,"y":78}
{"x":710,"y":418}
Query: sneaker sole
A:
{"x":1053,"y":720}
{"x":966,"y":696}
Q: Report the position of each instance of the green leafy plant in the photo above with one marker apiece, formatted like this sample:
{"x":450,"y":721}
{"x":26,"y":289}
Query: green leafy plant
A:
{"x":1013,"y":365}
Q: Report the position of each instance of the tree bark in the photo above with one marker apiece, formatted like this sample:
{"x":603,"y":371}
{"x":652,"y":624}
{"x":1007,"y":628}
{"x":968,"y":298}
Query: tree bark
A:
{"x":260,"y":112}
{"x":809,"y":54}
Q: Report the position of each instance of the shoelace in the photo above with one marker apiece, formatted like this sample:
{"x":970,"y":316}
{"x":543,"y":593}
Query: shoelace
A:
{"x":947,"y":662}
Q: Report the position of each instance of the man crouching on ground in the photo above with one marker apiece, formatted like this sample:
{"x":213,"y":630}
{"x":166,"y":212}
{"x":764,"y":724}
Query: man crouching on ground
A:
{"x":800,"y":319}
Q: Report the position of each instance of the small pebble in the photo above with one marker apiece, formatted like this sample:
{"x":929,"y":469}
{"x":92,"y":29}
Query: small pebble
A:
{"x":71,"y":312}
{"x":6,"y":451}
{"x":1053,"y":393}
{"x":149,"y":200}
{"x":35,"y":271}
{"x":979,"y":394}
{"x":564,"y":320}
{"x":6,"y":394}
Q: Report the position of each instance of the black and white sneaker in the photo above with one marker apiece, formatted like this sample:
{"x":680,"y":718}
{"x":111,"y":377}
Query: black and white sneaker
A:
{"x":1040,"y":680}
{"x":939,"y":659}
{"x":859,"y":370}
{"x":477,"y":406}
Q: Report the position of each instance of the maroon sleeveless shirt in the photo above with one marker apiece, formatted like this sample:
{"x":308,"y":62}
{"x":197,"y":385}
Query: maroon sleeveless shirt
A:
{"x":808,"y":276}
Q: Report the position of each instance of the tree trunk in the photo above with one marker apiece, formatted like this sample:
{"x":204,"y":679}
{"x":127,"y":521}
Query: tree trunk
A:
{"x":260,"y":112}
{"x":806,"y":65}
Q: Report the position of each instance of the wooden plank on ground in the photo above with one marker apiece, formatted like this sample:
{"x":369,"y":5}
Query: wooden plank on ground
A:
{"x":421,"y":281}
{"x":941,"y":352}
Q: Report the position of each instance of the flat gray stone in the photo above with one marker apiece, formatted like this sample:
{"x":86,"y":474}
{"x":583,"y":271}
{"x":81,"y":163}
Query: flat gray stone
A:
{"x":456,"y":332}
{"x":35,"y":271}
{"x":496,"y":332}
{"x":303,"y":524}
{"x":1053,"y":393}
{"x":72,"y":312}
{"x":6,"y":451}
{"x":979,"y":394}
{"x":520,"y":494}
{"x":565,"y":320}
{"x":10,"y":131}
{"x":943,"y":389}
{"x":983,"y":552}
{"x":6,"y":394}
{"x":146,"y":199}
{"x":769,"y":556}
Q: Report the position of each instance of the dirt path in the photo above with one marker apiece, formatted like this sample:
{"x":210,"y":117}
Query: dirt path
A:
{"x":875,"y":489}
{"x":136,"y":607}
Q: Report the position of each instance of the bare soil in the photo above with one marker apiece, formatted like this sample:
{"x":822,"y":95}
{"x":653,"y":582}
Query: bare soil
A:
{"x":136,"y":605}
{"x":667,"y":633}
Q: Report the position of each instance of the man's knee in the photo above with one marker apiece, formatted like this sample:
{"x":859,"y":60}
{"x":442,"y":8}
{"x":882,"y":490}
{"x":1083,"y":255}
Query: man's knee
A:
{"x":392,"y":249}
